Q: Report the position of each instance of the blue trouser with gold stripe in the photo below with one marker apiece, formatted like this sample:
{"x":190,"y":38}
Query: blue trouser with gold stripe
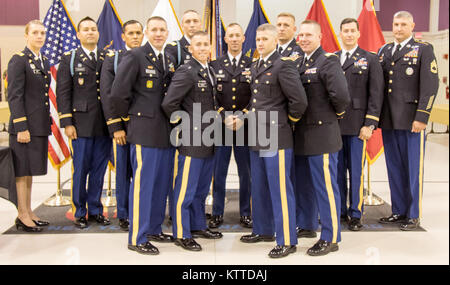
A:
{"x":273,"y":200}
{"x":242,"y":157}
{"x":352,"y":157}
{"x":192,"y":186}
{"x":404,"y":152}
{"x":90,"y":156}
{"x":124,"y":173}
{"x":317,"y":181}
{"x":152,"y":173}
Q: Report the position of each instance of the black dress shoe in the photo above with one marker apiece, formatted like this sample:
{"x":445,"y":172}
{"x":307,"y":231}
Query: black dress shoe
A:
{"x":188,"y":244}
{"x":282,"y":251}
{"x":301,"y":233}
{"x":393,"y":219}
{"x":41,"y":223}
{"x":124,"y":225}
{"x":254,"y":238}
{"x":20,"y":226}
{"x":355,"y":225}
{"x":322,"y":248}
{"x":246,"y":222}
{"x":81,"y":222}
{"x":410,"y":224}
{"x":100,"y":219}
{"x":162,"y":237}
{"x":145,"y":248}
{"x":215,"y":221}
{"x":208,"y":234}
{"x":208,"y":216}
{"x":344,"y":219}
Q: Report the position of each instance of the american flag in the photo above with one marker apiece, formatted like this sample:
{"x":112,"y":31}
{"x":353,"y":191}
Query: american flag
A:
{"x":61,"y":37}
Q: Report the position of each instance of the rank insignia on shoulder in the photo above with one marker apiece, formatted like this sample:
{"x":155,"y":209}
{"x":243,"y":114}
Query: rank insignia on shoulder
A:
{"x":173,"y":44}
{"x":288,"y":58}
{"x":434,"y":68}
{"x":20,"y":53}
{"x":328,"y":54}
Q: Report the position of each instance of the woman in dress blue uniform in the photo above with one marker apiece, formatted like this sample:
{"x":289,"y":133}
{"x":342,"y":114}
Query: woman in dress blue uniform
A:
{"x":30,"y":122}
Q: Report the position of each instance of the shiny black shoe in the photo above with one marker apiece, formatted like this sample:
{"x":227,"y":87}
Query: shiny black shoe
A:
{"x":215,"y":221}
{"x":246,"y":222}
{"x":41,"y":223}
{"x":81,"y":223}
{"x":124,"y":225}
{"x":100,"y":219}
{"x":322,"y":248}
{"x":345,"y":219}
{"x":355,"y":225}
{"x":393,"y":219}
{"x":208,"y":234}
{"x":254,"y":238}
{"x":145,"y":248}
{"x":162,"y":237}
{"x":20,"y":226}
{"x":410,"y":224}
{"x":282,"y":251}
{"x":301,"y":233}
{"x":188,"y":244}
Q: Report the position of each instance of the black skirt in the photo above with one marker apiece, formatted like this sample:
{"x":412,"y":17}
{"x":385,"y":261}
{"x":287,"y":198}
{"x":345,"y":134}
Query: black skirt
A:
{"x":30,"y":159}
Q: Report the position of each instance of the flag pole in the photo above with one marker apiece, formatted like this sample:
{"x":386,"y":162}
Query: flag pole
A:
{"x":370,"y":199}
{"x":58,"y":200}
{"x":109,"y":200}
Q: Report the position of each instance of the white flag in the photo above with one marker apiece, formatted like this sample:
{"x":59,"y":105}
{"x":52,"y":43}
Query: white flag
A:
{"x":164,"y":9}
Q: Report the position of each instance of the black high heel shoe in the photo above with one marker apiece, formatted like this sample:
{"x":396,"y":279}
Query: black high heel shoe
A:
{"x":41,"y":223}
{"x":21,"y":226}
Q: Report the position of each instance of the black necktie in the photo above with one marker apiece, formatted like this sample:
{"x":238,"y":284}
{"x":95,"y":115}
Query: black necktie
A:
{"x":92,"y":55}
{"x":397,"y":50}
{"x":261,"y":63}
{"x":38,"y":61}
{"x":280,"y":50}
{"x":161,"y":62}
{"x":347,"y":58}
{"x":234,"y":64}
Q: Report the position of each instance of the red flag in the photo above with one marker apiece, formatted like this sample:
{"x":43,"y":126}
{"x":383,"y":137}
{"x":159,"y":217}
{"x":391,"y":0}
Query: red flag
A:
{"x":319,"y":14}
{"x":372,"y":40}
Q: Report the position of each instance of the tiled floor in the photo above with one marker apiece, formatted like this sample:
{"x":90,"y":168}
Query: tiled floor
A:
{"x":430,"y":247}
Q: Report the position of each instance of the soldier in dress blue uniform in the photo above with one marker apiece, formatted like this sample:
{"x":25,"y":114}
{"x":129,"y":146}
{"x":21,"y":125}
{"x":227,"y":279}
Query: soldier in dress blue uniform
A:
{"x":139,"y":87}
{"x":179,"y":50}
{"x":233,"y":94}
{"x":365,"y":82}
{"x":191,"y":23}
{"x":30,"y":122}
{"x":81,"y":114}
{"x":318,"y":140}
{"x":132,"y":36}
{"x":276,"y":90}
{"x":287,"y":45}
{"x":192,"y":90}
{"x":411,"y":85}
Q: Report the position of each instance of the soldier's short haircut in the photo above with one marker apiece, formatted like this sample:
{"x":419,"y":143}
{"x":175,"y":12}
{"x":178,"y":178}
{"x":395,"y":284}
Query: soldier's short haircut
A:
{"x":311,"y":22}
{"x":85,"y":19}
{"x":348,"y":21}
{"x":32,"y":22}
{"x":286,"y":14}
{"x":157,"y":18}
{"x":189,"y":11}
{"x":234,"y":25}
{"x":404,"y":14}
{"x":200,"y":34}
{"x":130,"y":22}
{"x":269,"y":28}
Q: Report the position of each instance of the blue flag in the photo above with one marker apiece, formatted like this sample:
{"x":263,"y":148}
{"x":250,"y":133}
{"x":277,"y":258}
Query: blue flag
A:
{"x":110,"y":28}
{"x":259,"y":17}
{"x":214,"y":25}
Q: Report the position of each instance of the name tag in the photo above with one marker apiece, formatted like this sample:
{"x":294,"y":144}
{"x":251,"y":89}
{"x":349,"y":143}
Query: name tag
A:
{"x":220,"y":76}
{"x":80,"y":69}
{"x":311,"y":71}
{"x":36,"y":71}
{"x":150,"y":71}
{"x":202,"y":84}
